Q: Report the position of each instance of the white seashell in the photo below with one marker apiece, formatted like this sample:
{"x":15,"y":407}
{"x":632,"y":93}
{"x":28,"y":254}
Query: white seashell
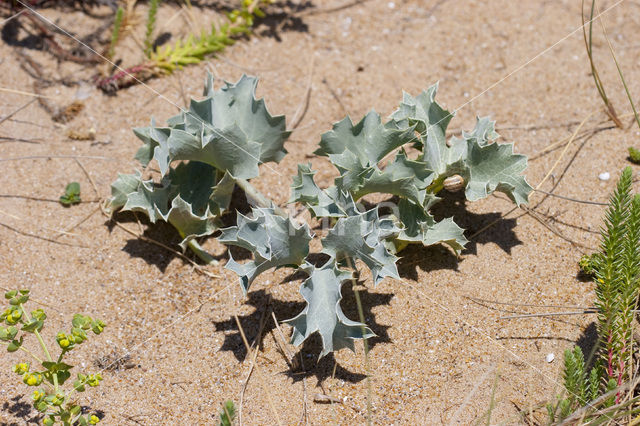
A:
{"x":550,"y":357}
{"x":604,"y":176}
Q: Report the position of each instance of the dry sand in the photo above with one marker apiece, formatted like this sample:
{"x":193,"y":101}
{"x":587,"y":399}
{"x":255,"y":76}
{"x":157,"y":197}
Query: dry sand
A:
{"x":439,"y":357}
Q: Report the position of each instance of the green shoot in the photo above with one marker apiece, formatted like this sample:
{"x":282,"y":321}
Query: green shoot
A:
{"x":115,"y":34}
{"x":227,"y":414}
{"x":71,"y":194}
{"x":151,"y":24}
{"x":634,"y":155}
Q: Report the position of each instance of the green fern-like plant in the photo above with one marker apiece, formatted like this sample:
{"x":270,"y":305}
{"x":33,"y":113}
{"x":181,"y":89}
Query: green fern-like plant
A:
{"x":193,"y":49}
{"x":616,"y":270}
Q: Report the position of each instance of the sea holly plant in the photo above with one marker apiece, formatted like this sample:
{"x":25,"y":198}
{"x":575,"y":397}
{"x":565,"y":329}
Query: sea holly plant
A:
{"x":223,"y":139}
{"x":220,"y":142}
{"x":45,"y":373}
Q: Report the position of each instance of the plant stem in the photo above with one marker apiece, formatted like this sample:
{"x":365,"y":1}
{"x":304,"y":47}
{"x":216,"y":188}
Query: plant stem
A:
{"x":259,"y":199}
{"x":201,"y":253}
{"x":27,"y":351}
{"x":366,"y":353}
{"x":43,"y":346}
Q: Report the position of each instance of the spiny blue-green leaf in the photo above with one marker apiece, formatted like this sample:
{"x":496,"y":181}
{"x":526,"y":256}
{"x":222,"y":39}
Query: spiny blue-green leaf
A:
{"x":190,"y":197}
{"x":369,"y":140}
{"x":486,"y":166}
{"x":226,"y":149}
{"x":200,"y":186}
{"x":362,"y":236}
{"x":423,"y":112}
{"x":403,"y":177}
{"x":273,"y":240}
{"x":323,"y":313}
{"x":134,"y":194}
{"x":235,"y":103}
{"x":229,"y":129}
{"x":188,"y":224}
{"x":420,"y":226}
{"x":330,"y":202}
{"x":484,"y":132}
{"x":495,"y":167}
{"x":155,"y":145}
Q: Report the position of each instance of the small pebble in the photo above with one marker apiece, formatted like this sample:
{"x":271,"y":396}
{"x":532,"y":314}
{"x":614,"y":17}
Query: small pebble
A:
{"x":391,"y":5}
{"x":550,"y":357}
{"x":604,"y":176}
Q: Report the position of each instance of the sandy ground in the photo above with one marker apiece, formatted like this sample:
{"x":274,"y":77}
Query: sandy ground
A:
{"x":440,"y":357}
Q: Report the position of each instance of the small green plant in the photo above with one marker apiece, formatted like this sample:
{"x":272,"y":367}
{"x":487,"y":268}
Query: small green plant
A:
{"x":634,"y":155}
{"x":219,"y":143}
{"x":151,"y":25}
{"x":46,"y":373}
{"x":586,"y":264}
{"x":115,"y":33}
{"x":616,"y":270}
{"x":71,"y":194}
{"x":227,"y":414}
{"x":190,"y":50}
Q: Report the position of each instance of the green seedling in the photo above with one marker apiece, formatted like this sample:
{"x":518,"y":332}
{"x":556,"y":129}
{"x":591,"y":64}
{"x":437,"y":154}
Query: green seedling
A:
{"x":46,"y":373}
{"x":71,"y":194}
{"x":227,"y":414}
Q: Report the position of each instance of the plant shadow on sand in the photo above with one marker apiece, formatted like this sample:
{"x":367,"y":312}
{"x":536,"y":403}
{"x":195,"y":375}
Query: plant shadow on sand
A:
{"x":312,"y":347}
{"x":22,"y":410}
{"x":440,"y":256}
{"x":167,"y":235}
{"x":501,"y":233}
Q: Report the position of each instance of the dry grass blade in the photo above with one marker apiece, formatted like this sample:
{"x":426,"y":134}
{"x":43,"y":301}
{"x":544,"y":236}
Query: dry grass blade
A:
{"x":11,"y":114}
{"x":256,"y":343}
{"x":304,"y":105}
{"x":257,"y":367}
{"x":575,"y":200}
{"x":624,"y":83}
{"x":594,"y":71}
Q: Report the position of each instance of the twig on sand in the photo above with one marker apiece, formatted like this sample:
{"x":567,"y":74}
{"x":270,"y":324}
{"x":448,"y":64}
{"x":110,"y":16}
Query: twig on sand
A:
{"x":317,"y":11}
{"x":5,"y":118}
{"x":304,"y":104}
{"x":550,"y":314}
{"x":524,"y":305}
{"x":197,"y":267}
{"x":10,"y":139}
{"x":256,"y":343}
{"x":258,"y":371}
{"x":289,"y":358}
{"x":28,"y":234}
{"x":575,"y":200}
{"x":534,"y":214}
{"x":75,"y":225}
{"x":48,"y":157}
{"x":335,"y":96}
{"x":86,"y":173}
{"x":21,"y":92}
